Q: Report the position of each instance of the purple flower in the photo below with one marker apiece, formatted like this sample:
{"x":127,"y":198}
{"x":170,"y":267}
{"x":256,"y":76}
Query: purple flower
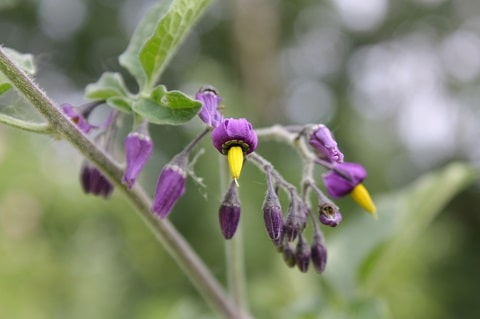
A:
{"x":229,"y":212}
{"x":295,"y":222}
{"x":329,"y":214}
{"x":318,"y":253}
{"x":138,"y":148}
{"x":235,"y":138}
{"x":209,"y":113}
{"x":76,"y":117}
{"x":170,"y":186}
{"x":234,"y":132}
{"x":325,"y":145}
{"x":289,"y":255}
{"x":94,"y":182}
{"x":337,"y":185}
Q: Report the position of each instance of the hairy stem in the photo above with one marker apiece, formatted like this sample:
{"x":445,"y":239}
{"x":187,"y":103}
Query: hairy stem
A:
{"x":164,"y":231}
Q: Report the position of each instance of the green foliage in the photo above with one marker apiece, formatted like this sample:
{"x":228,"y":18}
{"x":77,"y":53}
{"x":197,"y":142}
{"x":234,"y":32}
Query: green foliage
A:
{"x":157,"y":38}
{"x":110,"y":87}
{"x":167,"y":107}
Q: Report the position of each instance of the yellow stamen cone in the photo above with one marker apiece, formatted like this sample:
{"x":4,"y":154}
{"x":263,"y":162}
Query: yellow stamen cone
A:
{"x":235,"y":161}
{"x":361,"y":196}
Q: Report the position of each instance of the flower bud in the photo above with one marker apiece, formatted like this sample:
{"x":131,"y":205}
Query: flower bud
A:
{"x":325,"y":145}
{"x":229,"y":212}
{"x":138,"y":148}
{"x":318,"y":253}
{"x":272,"y":213}
{"x":209,"y":113}
{"x":289,"y":255}
{"x":170,"y":186}
{"x":94,"y":182}
{"x":295,"y":222}
{"x":302,"y":254}
{"x":329,"y":214}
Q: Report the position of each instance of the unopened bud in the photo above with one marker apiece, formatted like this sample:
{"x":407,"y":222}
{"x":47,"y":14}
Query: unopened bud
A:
{"x":302,"y":254}
{"x":318,"y":253}
{"x":272,"y":214}
{"x":229,"y":212}
{"x":289,"y":255}
{"x":295,"y":222}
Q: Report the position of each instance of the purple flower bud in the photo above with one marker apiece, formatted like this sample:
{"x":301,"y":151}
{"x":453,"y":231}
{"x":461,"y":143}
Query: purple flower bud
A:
{"x":76,"y":117}
{"x":295,"y":222}
{"x":272,"y":213}
{"x":318,"y":254}
{"x":209,"y":113}
{"x":337,"y":185}
{"x":329,"y":214}
{"x":302,"y":254}
{"x":325,"y":145}
{"x":138,"y":148}
{"x":94,"y":182}
{"x":289,"y":256}
{"x":170,"y":186}
{"x":229,"y":212}
{"x":234,"y":132}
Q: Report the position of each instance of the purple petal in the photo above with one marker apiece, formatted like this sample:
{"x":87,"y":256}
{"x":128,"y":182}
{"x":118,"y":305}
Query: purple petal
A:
{"x":138,"y":148}
{"x":325,"y":145}
{"x":337,"y":185}
{"x":234,"y":132}
{"x":170,"y":187}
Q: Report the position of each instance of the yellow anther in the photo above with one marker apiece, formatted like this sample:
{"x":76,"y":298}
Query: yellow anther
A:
{"x":235,"y":161}
{"x":361,"y":196}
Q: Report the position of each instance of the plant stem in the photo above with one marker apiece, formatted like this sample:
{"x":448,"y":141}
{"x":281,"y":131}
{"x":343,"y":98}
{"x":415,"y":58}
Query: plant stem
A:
{"x":41,"y":128}
{"x":163,"y":230}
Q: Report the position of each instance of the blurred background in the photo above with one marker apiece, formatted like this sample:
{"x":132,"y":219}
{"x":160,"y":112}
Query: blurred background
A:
{"x":396,"y":81}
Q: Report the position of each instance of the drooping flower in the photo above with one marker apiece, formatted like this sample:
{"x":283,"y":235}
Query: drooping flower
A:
{"x":209,"y":113}
{"x":229,"y":212}
{"x":325,"y":146}
{"x":329,"y":214}
{"x":295,"y":221}
{"x":94,"y":182}
{"x":138,"y":148}
{"x":346,"y":179}
{"x":76,"y":117}
{"x":235,"y":138}
{"x":170,"y":186}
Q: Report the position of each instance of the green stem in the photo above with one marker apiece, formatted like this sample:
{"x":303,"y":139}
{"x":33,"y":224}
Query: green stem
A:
{"x":234,"y":256}
{"x":164,"y":231}
{"x":41,"y":128}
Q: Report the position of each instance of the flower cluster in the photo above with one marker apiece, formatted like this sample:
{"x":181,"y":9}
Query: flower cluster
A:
{"x":236,"y":139}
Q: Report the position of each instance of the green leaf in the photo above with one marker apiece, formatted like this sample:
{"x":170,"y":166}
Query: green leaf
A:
{"x":109,"y":85}
{"x":167,"y":107}
{"x":360,"y":252}
{"x":24,"y":60}
{"x":120,"y":103}
{"x":157,"y":37}
{"x":4,"y":87}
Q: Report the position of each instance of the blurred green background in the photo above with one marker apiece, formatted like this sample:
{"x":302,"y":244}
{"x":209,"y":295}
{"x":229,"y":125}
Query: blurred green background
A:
{"x":397,"y":82}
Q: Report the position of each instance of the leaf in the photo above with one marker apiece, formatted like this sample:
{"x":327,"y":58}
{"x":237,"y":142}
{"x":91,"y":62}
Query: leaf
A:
{"x":157,"y":37}
{"x":361,"y":251}
{"x":120,"y":103}
{"x":167,"y":107}
{"x":24,"y":60}
{"x":4,"y":87}
{"x":109,"y":85}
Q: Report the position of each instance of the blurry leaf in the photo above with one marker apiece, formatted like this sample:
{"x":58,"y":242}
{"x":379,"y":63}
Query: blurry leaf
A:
{"x":371,"y":308}
{"x":360,"y":252}
{"x":167,"y":107}
{"x":120,"y":103}
{"x":24,"y":61}
{"x":157,"y":37}
{"x":4,"y":87}
{"x":109,"y":85}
